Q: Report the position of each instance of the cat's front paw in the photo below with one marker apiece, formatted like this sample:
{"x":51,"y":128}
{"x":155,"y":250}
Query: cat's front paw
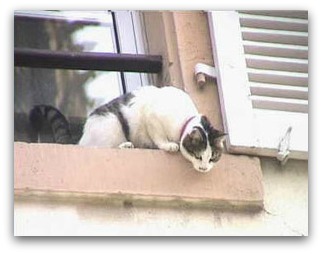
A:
{"x":170,"y":147}
{"x":126,"y":145}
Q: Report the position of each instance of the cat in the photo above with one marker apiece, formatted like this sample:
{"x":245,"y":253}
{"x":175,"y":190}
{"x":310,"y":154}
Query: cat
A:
{"x":151,"y":117}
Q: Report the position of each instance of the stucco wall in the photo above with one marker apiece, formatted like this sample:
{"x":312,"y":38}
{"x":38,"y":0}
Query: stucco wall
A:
{"x":183,"y":39}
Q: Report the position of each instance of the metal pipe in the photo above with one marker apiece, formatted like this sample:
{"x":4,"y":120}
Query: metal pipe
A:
{"x":39,"y":58}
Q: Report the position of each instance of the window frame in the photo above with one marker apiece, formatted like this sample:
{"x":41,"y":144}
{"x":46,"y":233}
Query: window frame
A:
{"x":128,"y":30}
{"x":246,"y":126}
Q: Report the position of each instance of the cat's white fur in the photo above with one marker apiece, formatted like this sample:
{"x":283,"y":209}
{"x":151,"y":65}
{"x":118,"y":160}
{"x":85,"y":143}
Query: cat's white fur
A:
{"x":156,"y":117}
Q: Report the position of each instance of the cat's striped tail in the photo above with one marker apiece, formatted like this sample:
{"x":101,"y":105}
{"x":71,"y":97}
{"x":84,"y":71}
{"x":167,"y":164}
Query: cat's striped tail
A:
{"x":40,"y":114}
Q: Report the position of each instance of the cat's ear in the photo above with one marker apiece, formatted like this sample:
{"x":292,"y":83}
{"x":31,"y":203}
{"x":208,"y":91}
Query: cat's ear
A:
{"x":220,"y":138}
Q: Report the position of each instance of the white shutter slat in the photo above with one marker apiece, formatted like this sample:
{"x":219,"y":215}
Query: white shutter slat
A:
{"x":269,"y":22}
{"x":285,"y":14}
{"x":284,"y":104}
{"x":275,"y":36}
{"x":278,"y":77}
{"x":275,"y":49}
{"x":271,"y":90}
{"x":277,"y":63}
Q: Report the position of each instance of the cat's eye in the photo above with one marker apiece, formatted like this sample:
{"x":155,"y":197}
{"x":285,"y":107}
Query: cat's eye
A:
{"x":198,"y":157}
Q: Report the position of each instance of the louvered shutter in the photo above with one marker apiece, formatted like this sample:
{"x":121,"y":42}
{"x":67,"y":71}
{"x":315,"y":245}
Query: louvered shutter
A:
{"x":261,"y":59}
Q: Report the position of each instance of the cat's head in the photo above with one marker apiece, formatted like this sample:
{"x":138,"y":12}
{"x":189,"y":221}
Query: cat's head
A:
{"x":202,"y":144}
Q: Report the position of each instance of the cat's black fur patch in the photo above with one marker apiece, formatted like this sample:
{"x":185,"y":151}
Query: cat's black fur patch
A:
{"x":114,"y":107}
{"x":195,"y":144}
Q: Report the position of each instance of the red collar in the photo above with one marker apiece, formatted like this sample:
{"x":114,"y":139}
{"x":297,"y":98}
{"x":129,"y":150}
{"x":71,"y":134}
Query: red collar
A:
{"x":184,"y":126}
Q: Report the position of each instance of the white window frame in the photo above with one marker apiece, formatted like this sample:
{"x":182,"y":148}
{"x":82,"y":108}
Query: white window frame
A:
{"x":250,"y":130}
{"x":131,"y":40}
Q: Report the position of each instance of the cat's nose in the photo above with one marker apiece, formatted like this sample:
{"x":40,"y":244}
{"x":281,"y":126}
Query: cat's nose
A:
{"x":203,"y":168}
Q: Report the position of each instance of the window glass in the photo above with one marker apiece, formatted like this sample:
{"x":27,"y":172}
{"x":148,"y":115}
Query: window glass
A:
{"x":74,"y":92}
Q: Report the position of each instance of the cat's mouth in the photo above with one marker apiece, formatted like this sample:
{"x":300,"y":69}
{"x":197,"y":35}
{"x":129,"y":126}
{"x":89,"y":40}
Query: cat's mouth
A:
{"x":203,"y":169}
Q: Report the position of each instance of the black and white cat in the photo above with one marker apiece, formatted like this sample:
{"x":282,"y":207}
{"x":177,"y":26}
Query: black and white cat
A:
{"x":151,"y":117}
{"x":163,"y":118}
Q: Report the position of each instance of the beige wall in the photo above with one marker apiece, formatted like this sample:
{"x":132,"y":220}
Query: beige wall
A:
{"x":286,"y":213}
{"x":183,"y":40}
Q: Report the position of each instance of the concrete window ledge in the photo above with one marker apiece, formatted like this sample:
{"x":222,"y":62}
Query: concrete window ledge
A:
{"x":135,"y":175}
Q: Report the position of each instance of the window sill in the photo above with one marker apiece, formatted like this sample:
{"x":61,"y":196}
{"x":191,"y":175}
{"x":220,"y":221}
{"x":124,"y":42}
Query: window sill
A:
{"x":136,"y":175}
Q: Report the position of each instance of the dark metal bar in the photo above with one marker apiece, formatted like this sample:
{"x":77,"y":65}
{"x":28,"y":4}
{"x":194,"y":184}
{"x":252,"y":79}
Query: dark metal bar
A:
{"x":38,"y":58}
